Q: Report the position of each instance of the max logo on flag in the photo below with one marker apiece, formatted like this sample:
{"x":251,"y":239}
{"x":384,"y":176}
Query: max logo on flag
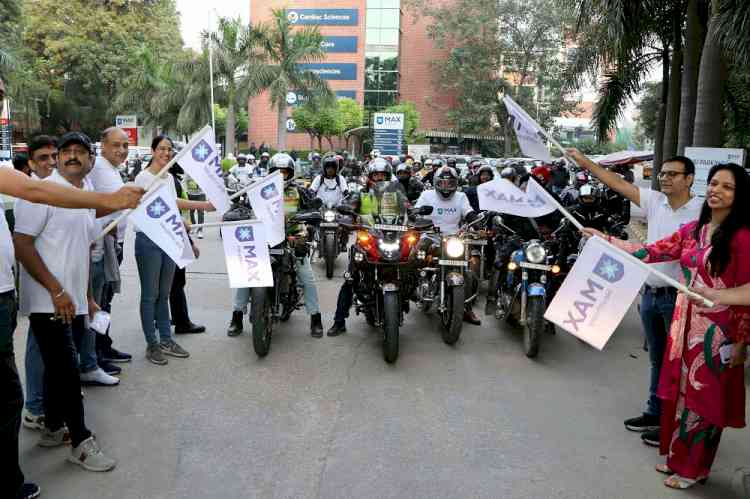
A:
{"x":244,"y":234}
{"x":157,"y":208}
{"x":609,"y":269}
{"x":201,"y":151}
{"x":269,"y":192}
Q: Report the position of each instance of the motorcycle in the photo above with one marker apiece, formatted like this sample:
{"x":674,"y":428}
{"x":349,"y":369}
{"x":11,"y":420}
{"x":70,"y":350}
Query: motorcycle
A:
{"x":381,"y":271}
{"x":443,"y":260}
{"x":271,"y":305}
{"x":331,"y":238}
{"x":526,"y":269}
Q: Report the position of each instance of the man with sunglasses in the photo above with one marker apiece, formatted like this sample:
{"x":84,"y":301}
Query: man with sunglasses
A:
{"x":666,"y":212}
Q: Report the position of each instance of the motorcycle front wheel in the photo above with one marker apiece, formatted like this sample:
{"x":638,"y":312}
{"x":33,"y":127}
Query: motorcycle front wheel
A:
{"x":260,"y":308}
{"x":391,"y":319}
{"x":330,"y":251}
{"x":452,"y":319}
{"x":534,"y":327}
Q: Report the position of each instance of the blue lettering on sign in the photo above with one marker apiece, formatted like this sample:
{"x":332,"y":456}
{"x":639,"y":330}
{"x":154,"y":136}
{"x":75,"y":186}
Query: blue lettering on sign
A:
{"x":331,"y":70}
{"x":246,"y":235}
{"x":177,"y":224}
{"x":339,"y":44}
{"x":446,"y":211}
{"x":330,"y":17}
{"x":296,"y":98}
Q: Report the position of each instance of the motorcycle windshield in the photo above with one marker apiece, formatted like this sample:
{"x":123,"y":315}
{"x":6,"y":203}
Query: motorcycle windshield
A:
{"x":391,"y":205}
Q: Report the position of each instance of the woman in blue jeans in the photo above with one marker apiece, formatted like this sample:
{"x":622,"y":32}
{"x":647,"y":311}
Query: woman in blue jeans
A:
{"x":155,"y":268}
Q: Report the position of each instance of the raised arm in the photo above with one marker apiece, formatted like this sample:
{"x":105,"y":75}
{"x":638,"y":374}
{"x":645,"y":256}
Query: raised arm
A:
{"x":611,"y":179}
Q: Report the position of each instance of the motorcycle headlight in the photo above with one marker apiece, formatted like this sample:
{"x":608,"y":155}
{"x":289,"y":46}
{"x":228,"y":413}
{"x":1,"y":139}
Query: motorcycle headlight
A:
{"x":454,"y":247}
{"x":389,"y":247}
{"x":329,"y":216}
{"x":535,"y":253}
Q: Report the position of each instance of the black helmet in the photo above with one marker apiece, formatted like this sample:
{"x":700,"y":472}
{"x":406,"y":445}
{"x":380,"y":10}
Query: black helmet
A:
{"x":330,"y":162}
{"x":282,"y":161}
{"x":451,"y":162}
{"x":485,"y":168}
{"x":446,"y":181}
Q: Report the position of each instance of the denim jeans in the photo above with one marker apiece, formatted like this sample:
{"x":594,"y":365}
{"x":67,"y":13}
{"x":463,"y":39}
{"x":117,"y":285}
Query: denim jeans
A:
{"x":306,"y":277}
{"x":156,"y":271}
{"x":84,"y":339}
{"x":34,"y":376}
{"x":11,"y":403}
{"x":63,"y":403}
{"x":656,"y":317}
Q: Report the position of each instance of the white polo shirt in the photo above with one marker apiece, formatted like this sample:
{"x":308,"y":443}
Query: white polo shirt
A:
{"x":446,"y":213}
{"x":7,"y":257}
{"x":663,"y":221}
{"x":104,"y":177}
{"x":63,"y":240}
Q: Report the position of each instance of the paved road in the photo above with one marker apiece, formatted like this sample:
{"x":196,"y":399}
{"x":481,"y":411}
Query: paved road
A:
{"x":329,"y":418}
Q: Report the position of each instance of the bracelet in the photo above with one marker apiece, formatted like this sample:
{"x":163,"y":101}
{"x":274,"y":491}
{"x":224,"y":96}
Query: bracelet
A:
{"x":58,"y":295}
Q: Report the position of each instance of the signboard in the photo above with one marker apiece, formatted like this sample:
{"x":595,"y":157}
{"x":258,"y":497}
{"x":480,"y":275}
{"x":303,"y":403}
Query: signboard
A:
{"x":329,"y":17}
{"x":291,"y":125}
{"x":706,"y":157}
{"x":339,"y":44}
{"x":332,"y":70}
{"x":346,"y":94}
{"x":132,"y":135}
{"x":388,"y":134}
{"x":295,"y":98}
{"x":6,"y":131}
{"x":416,"y":151}
{"x":126,"y":121}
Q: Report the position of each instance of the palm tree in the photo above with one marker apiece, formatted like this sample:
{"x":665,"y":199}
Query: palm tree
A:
{"x":691,"y":63}
{"x":711,"y":79}
{"x":274,"y":66}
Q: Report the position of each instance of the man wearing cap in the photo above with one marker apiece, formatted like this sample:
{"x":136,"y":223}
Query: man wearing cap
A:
{"x":108,"y":253}
{"x":53,"y":246}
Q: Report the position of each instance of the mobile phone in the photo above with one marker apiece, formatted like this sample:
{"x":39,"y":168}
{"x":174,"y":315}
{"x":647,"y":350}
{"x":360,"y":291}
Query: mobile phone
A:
{"x":725,"y":352}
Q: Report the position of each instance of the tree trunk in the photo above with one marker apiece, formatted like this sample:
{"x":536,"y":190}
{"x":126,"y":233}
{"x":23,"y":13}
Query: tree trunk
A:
{"x":672,"y":123}
{"x":330,"y":142}
{"x":711,"y":79}
{"x":230,"y":132}
{"x":690,"y":65}
{"x":661,"y":120}
{"x":281,"y":128}
{"x":507,"y":138}
{"x":320,"y":143}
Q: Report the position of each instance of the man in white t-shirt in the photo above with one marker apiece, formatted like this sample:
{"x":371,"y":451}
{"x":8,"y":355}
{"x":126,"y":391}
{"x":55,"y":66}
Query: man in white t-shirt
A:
{"x":666,"y":212}
{"x":330,"y":187}
{"x":450,"y":208}
{"x":241,"y":172}
{"x":104,"y":177}
{"x":53,"y":245}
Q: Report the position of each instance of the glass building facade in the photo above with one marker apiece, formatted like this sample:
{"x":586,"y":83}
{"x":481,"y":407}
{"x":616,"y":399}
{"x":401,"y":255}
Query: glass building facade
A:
{"x":382,"y":38}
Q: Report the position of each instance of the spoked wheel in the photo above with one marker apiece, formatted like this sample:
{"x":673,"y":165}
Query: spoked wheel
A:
{"x":262,"y":320}
{"x":452,"y":318}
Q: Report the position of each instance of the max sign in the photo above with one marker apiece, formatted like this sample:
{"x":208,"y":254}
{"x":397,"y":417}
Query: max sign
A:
{"x":597,"y":293}
{"x":246,"y":254}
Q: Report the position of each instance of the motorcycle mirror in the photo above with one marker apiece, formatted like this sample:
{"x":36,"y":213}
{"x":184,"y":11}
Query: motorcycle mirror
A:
{"x":425,"y":210}
{"x":316,"y":203}
{"x":345,"y":210}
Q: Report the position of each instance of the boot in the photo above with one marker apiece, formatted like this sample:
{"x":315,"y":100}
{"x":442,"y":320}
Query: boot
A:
{"x":471,"y":318}
{"x":337,"y":329}
{"x":316,"y":326}
{"x":235,"y":326}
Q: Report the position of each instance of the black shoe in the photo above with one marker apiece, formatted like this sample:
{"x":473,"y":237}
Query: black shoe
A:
{"x":316,"y":326}
{"x":190,"y":328}
{"x":651,"y":438}
{"x":109,"y":368}
{"x":337,"y":329}
{"x":112,"y":355}
{"x":471,"y":318}
{"x":30,"y":491}
{"x":235,"y":326}
{"x":646,"y":422}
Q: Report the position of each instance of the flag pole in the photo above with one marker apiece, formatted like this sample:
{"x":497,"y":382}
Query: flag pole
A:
{"x":251,"y":185}
{"x":152,"y":184}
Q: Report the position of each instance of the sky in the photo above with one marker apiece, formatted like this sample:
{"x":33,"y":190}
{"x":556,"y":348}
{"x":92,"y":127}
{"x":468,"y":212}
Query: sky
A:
{"x":194,"y":16}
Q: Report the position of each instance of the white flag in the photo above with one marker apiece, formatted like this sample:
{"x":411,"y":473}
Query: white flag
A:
{"x":503,"y":196}
{"x":597,"y":293}
{"x":200,"y":159}
{"x":267,"y":199}
{"x":528,"y":132}
{"x":158,"y":217}
{"x":246,"y":253}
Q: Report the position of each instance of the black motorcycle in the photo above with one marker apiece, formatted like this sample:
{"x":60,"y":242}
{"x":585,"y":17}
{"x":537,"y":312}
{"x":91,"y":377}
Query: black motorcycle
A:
{"x":332,"y":237}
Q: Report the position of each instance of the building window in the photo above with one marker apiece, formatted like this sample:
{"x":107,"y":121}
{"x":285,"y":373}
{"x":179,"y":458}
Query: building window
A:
{"x":383,"y":22}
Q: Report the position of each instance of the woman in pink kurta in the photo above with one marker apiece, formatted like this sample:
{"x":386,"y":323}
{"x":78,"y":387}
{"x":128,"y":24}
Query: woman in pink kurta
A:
{"x":703,"y":394}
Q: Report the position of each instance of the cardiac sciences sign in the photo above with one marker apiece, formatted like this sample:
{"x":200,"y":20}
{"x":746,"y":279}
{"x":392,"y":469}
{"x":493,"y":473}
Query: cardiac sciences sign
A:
{"x":330,"y":17}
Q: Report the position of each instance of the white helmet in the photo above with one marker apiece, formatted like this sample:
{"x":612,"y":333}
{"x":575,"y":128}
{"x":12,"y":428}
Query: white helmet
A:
{"x":250,"y":157}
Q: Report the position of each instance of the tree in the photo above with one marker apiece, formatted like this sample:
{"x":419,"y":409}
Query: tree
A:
{"x":276,"y":54}
{"x":648,"y":110}
{"x":350,"y":116}
{"x":711,"y":80}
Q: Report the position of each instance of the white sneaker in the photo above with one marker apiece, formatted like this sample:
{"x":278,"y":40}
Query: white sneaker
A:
{"x":99,"y":377}
{"x":90,"y":457}
{"x":31,"y":421}
{"x":54,"y":438}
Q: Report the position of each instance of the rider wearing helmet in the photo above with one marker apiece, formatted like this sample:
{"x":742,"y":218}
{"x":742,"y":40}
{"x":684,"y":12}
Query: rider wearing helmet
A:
{"x":450,"y":208}
{"x":330,"y":186}
{"x":483,"y":174}
{"x":379,"y":196}
{"x":436,"y":164}
{"x":316,"y":168}
{"x":240,"y":172}
{"x":411,"y":186}
{"x":263,"y":163}
{"x":294,"y":201}
{"x":509,"y":174}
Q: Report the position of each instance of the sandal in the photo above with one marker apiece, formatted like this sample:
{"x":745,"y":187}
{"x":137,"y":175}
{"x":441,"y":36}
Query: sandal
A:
{"x":663,"y":468}
{"x":678,"y":482}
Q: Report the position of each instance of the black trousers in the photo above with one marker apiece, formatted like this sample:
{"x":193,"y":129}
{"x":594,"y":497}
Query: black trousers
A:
{"x":62,"y":385}
{"x":178,"y":306}
{"x":11,"y":401}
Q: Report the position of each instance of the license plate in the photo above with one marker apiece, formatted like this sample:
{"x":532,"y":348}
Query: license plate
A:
{"x":399,"y":228}
{"x":275,"y":251}
{"x":476,"y":242}
{"x":329,"y":224}
{"x":460,"y":263}
{"x":535,"y":266}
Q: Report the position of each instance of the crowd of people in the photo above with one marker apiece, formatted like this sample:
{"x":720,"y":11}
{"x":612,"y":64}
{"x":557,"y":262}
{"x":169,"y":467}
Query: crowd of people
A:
{"x":67,"y":276}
